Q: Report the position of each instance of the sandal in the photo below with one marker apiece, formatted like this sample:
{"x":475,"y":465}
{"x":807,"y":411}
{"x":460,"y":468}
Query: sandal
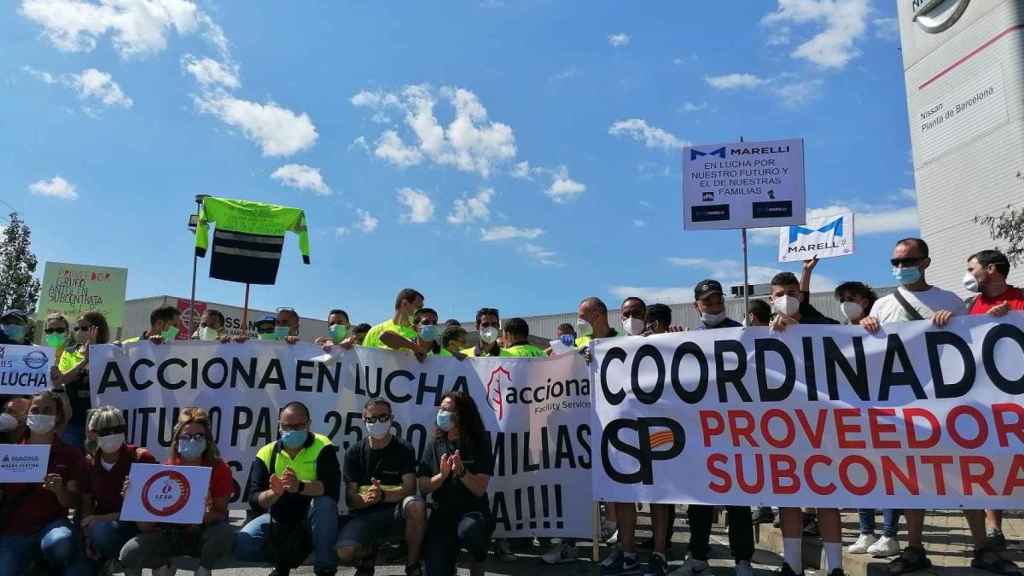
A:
{"x":988,"y":559}
{"x":910,"y":560}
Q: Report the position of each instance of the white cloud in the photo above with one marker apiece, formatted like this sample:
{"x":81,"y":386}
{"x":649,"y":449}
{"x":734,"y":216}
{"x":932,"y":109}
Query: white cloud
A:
{"x":652,"y":137}
{"x":886,"y":28}
{"x":499,"y":233}
{"x":55,"y":187}
{"x":524,"y":171}
{"x":843,"y":22}
{"x":540,"y":254}
{"x":41,"y":75}
{"x":420,"y":207}
{"x":471,"y":142}
{"x":563,"y":188}
{"x":798,"y":92}
{"x":639,"y":223}
{"x":209,"y":72}
{"x":89,"y":84}
{"x":654,"y":294}
{"x":735,"y":81}
{"x":692,"y":107}
{"x":341,"y":231}
{"x":366,"y":222}
{"x":730,"y":273}
{"x":137,"y":27}
{"x":908,"y":194}
{"x":302,"y":177}
{"x":278,"y":131}
{"x":619,"y":40}
{"x":472,"y":209}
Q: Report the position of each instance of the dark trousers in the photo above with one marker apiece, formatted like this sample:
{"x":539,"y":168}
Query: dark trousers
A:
{"x":741,"y":531}
{"x":448,"y":532}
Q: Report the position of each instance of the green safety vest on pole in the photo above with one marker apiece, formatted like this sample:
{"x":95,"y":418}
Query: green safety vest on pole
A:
{"x":248,"y":238}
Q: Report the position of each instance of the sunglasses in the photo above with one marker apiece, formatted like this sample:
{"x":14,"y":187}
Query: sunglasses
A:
{"x":293,"y":427}
{"x":82,"y":328}
{"x":904,"y":262}
{"x":112,"y":431}
{"x":54,"y":331}
{"x":192,"y":437}
{"x":375,"y":419}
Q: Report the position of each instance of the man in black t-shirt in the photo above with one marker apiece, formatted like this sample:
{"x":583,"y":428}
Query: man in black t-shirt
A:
{"x":380,"y":489}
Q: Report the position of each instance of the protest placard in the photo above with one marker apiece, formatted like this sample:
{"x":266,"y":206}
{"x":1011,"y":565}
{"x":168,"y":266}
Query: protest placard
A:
{"x":166,"y":494}
{"x":23,"y":462}
{"x":24,"y":369}
{"x":72,"y":289}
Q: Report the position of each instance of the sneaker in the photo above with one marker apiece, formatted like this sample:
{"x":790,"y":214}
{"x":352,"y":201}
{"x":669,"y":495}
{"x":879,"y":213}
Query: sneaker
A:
{"x":862,"y":545}
{"x":613,"y":539}
{"x":884,"y":547}
{"x":787,"y":571}
{"x":607,"y":529}
{"x":414,"y":570}
{"x":165,"y":570}
{"x":476,"y":568}
{"x":619,"y":564}
{"x":366,"y":567}
{"x":656,"y":567}
{"x":691,"y":567}
{"x":837,"y":572}
{"x":991,"y":560}
{"x":764,"y":515}
{"x":743,"y":568}
{"x":503,"y":551}
{"x":560,"y":554}
{"x":996,"y":539}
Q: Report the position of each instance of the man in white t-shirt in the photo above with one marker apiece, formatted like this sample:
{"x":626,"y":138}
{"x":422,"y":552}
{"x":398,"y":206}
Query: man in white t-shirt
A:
{"x":915,"y":299}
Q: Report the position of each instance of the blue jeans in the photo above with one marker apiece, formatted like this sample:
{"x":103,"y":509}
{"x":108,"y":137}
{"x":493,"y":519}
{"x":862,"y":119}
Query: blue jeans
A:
{"x":323,"y":520}
{"x":109,"y":537}
{"x":890,"y":521}
{"x":56,"y":544}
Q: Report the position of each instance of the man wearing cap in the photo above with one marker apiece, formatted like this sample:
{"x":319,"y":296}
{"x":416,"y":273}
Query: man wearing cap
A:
{"x":709,"y":301}
{"x":14,"y":327}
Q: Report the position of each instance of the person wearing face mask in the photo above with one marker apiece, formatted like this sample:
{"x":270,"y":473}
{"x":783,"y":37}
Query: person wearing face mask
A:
{"x":986,"y":277}
{"x":56,"y":335}
{"x":163,"y":326}
{"x":339,"y":330}
{"x":855,"y":300}
{"x":14,"y":325}
{"x":516,"y":333}
{"x":293,"y":489}
{"x":428,"y":333}
{"x":211,"y":326}
{"x":398,"y":332}
{"x":34,"y":517}
{"x":454,"y":470}
{"x":789,"y":305}
{"x":380,"y":489}
{"x":91,"y":328}
{"x":709,"y":301}
{"x":453,"y":341}
{"x":106,"y":468}
{"x":633,"y":314}
{"x":191,"y":445}
{"x":488,"y":326}
{"x":12,"y":420}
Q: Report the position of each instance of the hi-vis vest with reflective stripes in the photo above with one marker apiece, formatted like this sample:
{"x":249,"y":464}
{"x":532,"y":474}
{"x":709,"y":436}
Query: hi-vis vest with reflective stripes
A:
{"x":248,"y":238}
{"x":304,"y":463}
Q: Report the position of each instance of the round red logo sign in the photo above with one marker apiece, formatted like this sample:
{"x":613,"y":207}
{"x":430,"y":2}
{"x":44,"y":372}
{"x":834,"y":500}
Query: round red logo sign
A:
{"x":166,"y":493}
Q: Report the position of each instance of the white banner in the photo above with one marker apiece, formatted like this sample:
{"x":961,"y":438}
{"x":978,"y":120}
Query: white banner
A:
{"x":822,"y":237}
{"x":536,"y":410}
{"x":915,"y":417}
{"x":24,"y":370}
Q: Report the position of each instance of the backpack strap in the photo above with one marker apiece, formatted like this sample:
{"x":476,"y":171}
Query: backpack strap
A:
{"x":910,"y":310}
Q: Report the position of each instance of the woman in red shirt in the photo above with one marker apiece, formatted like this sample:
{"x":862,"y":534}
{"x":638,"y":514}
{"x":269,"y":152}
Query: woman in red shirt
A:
{"x":34,"y":517}
{"x":191,"y":445}
{"x":106,"y":470}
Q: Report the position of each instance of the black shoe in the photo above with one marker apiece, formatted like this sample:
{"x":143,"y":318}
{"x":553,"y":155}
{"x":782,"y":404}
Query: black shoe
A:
{"x":414,"y":570}
{"x":787,"y":571}
{"x":837,"y":572}
{"x":280,"y":572}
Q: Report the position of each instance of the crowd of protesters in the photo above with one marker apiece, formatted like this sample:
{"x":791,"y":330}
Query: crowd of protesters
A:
{"x":435,"y":504}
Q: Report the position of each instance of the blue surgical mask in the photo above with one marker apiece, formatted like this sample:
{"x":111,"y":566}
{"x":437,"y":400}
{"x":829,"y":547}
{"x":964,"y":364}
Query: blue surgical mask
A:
{"x":430,"y":333}
{"x":15,"y":332}
{"x":294,"y":438}
{"x":567,"y":340}
{"x":191,"y":449}
{"x":444,"y":420}
{"x":906,"y":276}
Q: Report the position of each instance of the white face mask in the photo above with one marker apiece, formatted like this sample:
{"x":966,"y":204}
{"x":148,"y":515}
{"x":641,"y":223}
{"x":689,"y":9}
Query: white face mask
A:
{"x":7,"y":422}
{"x":583,"y":328}
{"x":632,"y":326}
{"x":208,"y":334}
{"x":489,"y":335}
{"x":41,"y":423}
{"x":110,"y":444}
{"x":786,"y":305}
{"x":971,"y":283}
{"x":711,"y":320}
{"x":852,"y":311}
{"x":378,"y":430}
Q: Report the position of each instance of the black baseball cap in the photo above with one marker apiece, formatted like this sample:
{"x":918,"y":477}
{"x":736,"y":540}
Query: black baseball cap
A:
{"x":14,"y":314}
{"x":706,"y":288}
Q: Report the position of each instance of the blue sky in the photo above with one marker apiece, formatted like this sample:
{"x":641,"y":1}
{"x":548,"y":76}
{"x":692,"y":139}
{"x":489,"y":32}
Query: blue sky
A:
{"x":519,"y":154}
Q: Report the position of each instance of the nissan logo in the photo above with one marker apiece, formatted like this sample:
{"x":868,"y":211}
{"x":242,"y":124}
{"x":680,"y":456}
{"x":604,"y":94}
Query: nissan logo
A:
{"x":934,"y":16}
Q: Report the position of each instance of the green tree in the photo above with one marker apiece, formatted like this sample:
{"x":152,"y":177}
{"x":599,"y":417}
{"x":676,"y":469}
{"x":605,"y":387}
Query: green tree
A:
{"x":18,"y":288}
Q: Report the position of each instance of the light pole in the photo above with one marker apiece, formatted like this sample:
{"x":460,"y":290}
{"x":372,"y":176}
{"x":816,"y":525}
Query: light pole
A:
{"x":193,"y":225}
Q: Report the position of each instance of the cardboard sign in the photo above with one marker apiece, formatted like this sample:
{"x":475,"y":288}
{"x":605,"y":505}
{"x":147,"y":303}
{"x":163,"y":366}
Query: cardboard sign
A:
{"x":24,"y":370}
{"x":73,"y":289}
{"x":822,"y":237}
{"x":23,"y":463}
{"x":743,"y":185}
{"x":167,"y":494}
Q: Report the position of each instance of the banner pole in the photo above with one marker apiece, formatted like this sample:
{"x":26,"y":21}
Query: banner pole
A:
{"x":596,"y":545}
{"x":746,"y":278}
{"x":195,"y":268}
{"x":245,"y":312}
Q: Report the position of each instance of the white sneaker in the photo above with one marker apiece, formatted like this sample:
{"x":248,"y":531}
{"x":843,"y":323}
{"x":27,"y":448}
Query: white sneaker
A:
{"x":691,"y":567}
{"x":862,"y":545}
{"x":613,"y":539}
{"x":743,"y":568}
{"x":885,"y":547}
{"x":607,"y":529}
{"x":560,"y":554}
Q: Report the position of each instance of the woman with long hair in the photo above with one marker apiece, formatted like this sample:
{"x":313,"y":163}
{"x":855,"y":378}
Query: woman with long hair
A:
{"x":91,"y":328}
{"x":192,"y":444}
{"x":454,"y":471}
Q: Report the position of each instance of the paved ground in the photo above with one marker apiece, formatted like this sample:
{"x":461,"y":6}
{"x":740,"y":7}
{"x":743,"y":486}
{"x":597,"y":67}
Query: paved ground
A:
{"x":946,"y":538}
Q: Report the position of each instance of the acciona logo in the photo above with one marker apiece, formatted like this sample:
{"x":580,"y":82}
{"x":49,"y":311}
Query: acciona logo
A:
{"x":934,"y":16}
